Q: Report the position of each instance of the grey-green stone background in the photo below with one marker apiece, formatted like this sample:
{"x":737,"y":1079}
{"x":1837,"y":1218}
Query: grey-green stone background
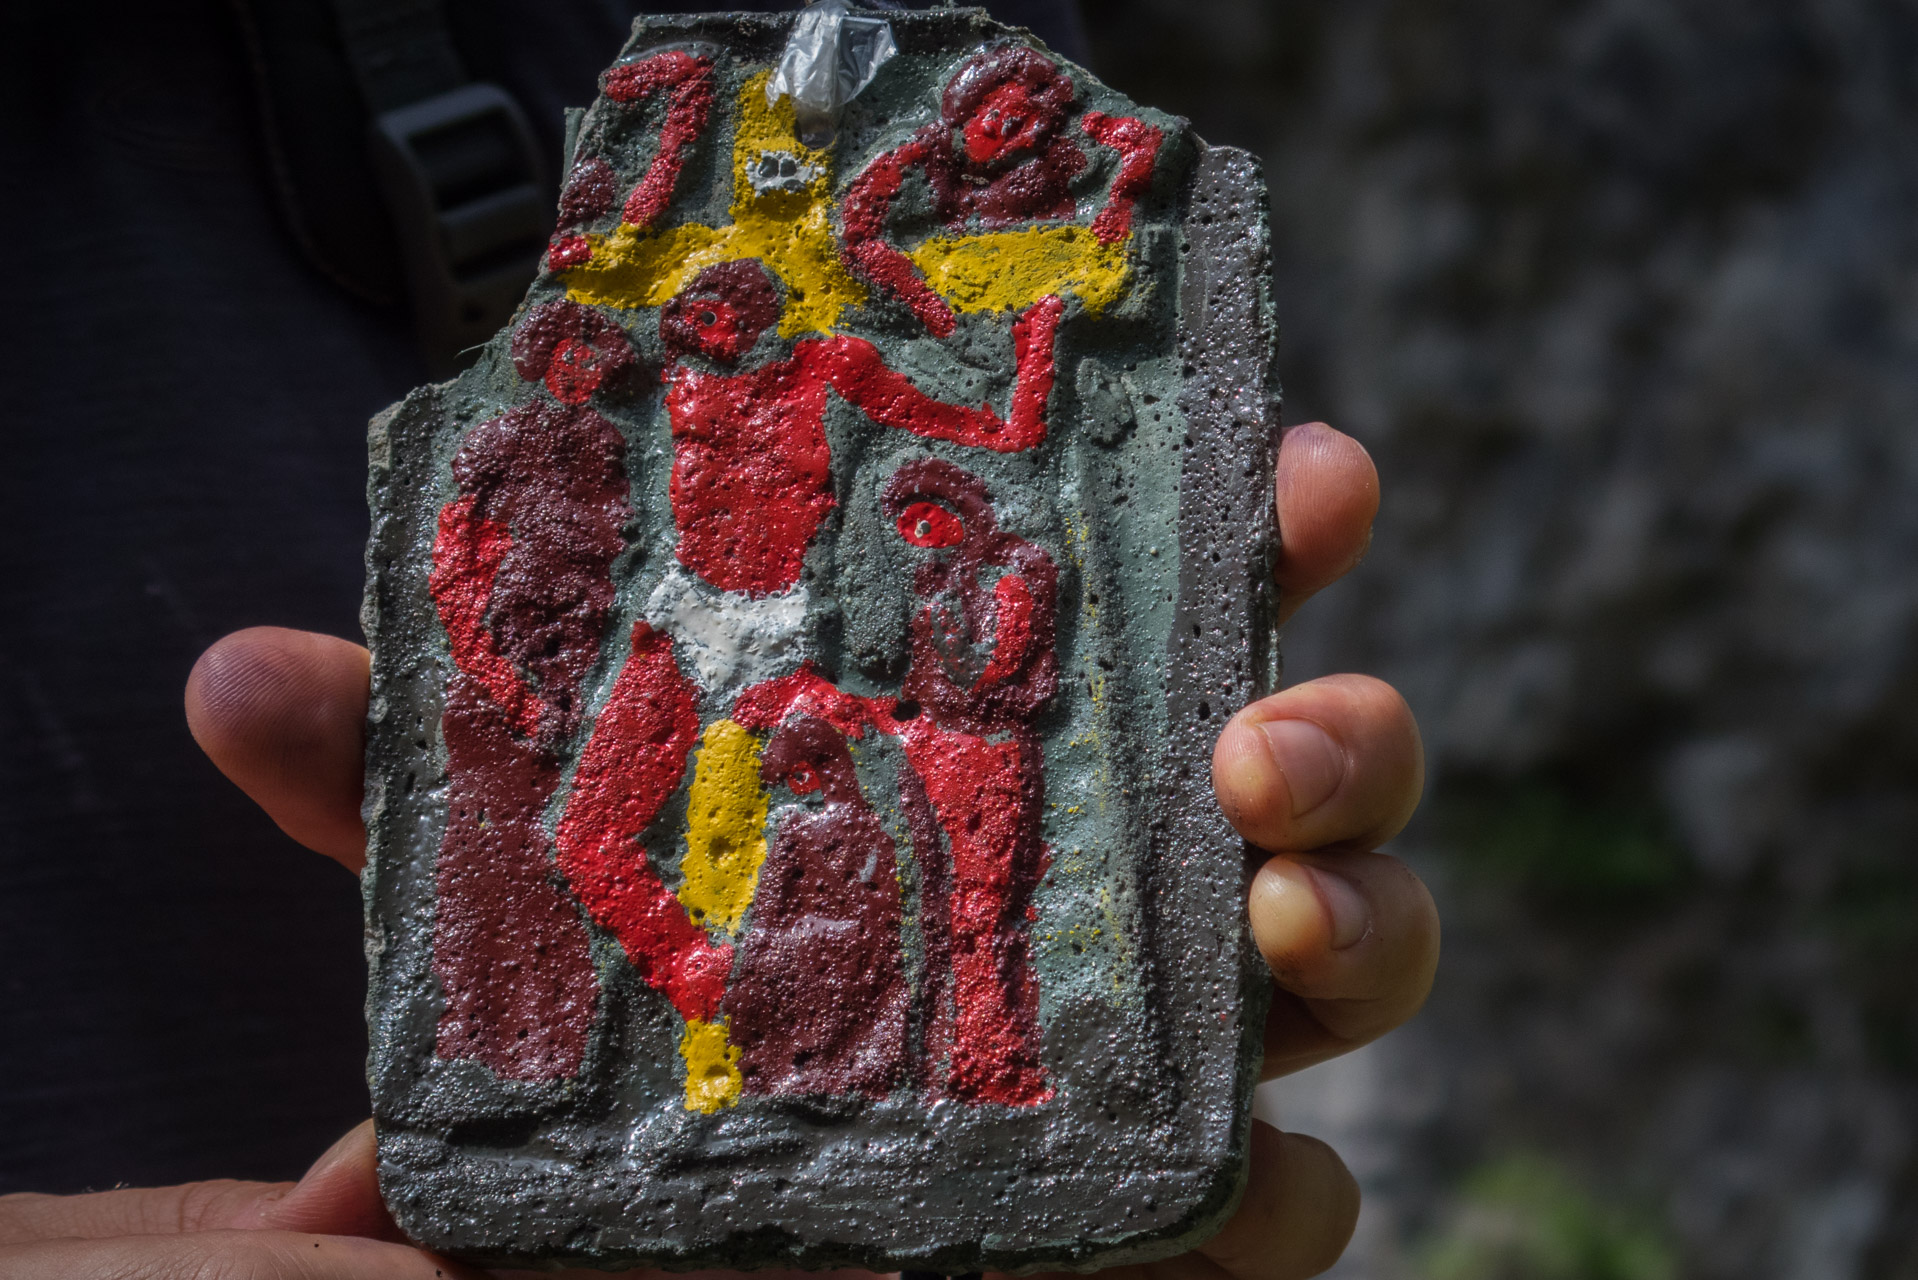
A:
{"x":1623,"y":298}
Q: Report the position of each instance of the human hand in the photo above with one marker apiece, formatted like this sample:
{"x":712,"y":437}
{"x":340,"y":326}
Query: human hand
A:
{"x":330,"y":1225}
{"x":1351,"y":934}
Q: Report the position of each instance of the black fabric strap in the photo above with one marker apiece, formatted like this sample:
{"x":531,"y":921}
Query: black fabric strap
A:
{"x":402,"y":178}
{"x":313,"y":121}
{"x":400,"y":51}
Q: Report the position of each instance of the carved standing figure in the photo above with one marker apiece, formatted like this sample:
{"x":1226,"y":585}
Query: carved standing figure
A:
{"x":522,"y":580}
{"x":983,"y":665}
{"x":818,"y":999}
{"x":999,"y":156}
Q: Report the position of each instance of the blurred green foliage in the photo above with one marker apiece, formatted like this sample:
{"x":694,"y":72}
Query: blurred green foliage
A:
{"x":1566,"y":854}
{"x":1524,"y":1217}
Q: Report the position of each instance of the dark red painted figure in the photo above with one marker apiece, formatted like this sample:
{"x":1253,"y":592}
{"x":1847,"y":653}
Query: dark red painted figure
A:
{"x":983,"y":663}
{"x":752,"y":472}
{"x":522,"y":579}
{"x":686,"y":81}
{"x":999,"y":155}
{"x":818,"y":1002}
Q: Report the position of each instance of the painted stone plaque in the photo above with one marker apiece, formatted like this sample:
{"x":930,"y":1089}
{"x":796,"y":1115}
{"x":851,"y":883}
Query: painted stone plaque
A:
{"x":798,"y":645}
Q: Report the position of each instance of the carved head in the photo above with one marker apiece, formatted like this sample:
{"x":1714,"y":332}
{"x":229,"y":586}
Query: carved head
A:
{"x":982,"y":644}
{"x":808,"y":755}
{"x":722,"y":312}
{"x":575,"y":350}
{"x":1006,"y":103}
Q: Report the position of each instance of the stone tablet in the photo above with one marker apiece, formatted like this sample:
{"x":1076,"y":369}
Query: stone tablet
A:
{"x":798,"y":643}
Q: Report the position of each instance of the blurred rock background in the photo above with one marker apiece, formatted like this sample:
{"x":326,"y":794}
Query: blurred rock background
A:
{"x":1623,"y":297}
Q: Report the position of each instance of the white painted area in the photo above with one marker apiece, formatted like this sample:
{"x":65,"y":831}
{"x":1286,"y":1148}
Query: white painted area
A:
{"x":733,"y":640}
{"x":780,"y":171}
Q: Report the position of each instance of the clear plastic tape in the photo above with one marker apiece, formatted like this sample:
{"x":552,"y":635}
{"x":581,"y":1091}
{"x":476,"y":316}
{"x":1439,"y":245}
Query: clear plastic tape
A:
{"x":831,"y":55}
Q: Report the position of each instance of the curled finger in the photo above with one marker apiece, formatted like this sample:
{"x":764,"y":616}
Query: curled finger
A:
{"x":1298,"y":1213}
{"x":1332,"y":761}
{"x":1352,"y":939}
{"x":1327,"y":495}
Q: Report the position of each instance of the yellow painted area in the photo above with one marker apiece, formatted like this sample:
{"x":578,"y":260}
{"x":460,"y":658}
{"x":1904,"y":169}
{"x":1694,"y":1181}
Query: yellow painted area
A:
{"x":1081,"y":936}
{"x":1078,"y":544}
{"x":725,"y":827}
{"x":790,"y":231}
{"x":1001,"y":270}
{"x":712,"y":1066}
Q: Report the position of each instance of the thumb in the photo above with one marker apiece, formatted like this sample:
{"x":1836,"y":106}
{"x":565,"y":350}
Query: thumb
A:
{"x":339,"y":1195}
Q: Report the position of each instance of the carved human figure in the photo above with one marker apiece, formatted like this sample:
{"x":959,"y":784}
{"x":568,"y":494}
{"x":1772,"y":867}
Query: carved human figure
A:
{"x":818,"y":1000}
{"x":752,"y":471}
{"x":999,"y":156}
{"x":983,"y":664}
{"x":522,"y":579}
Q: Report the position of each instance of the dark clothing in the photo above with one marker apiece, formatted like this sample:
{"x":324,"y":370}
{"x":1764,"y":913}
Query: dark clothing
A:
{"x":180,"y":986}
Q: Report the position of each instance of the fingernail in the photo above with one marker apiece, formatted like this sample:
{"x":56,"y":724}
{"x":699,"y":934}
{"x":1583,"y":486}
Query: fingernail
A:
{"x":1350,"y":913}
{"x":1312,"y":763}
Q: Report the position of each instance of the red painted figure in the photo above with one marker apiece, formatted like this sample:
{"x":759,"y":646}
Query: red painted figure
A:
{"x":752,"y":472}
{"x":998,"y":154}
{"x":685,"y":80}
{"x":522,"y":578}
{"x":983,"y":664}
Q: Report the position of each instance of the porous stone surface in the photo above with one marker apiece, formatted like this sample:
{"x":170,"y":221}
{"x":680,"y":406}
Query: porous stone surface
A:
{"x":797,"y":647}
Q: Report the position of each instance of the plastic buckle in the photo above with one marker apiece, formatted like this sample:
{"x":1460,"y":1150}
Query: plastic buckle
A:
{"x":463,"y":180}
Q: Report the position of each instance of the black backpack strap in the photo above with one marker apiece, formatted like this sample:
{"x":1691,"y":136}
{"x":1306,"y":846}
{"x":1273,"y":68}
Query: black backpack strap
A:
{"x":399,"y":51}
{"x":400,"y":175}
